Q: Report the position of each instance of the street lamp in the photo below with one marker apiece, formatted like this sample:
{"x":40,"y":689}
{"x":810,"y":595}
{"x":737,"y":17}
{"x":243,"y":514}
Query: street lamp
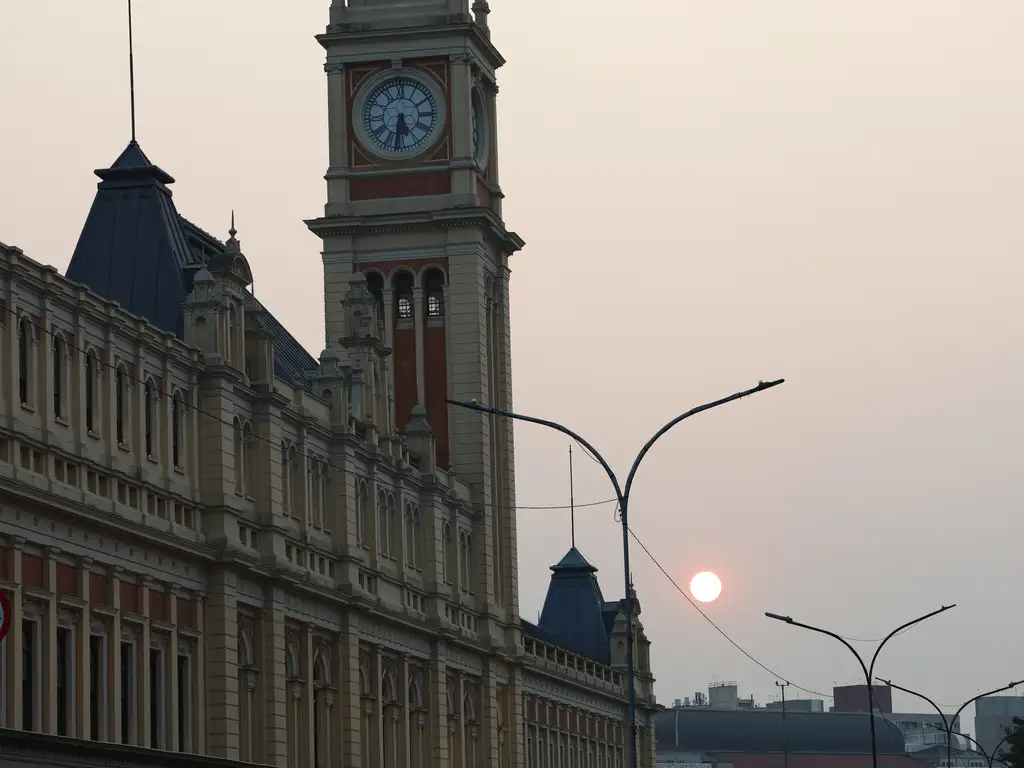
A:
{"x":995,"y":750}
{"x":869,"y":670}
{"x":950,"y":722}
{"x":622,"y":496}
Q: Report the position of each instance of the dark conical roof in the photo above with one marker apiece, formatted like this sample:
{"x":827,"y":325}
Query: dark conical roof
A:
{"x":136,"y":249}
{"x":574,"y":608}
{"x":133,"y":247}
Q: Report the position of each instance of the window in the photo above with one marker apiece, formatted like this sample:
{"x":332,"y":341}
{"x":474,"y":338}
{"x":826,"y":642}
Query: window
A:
{"x":157,"y":694}
{"x":177,"y":424}
{"x":127,"y":692}
{"x":239,"y":457}
{"x":30,"y":677}
{"x":150,"y":406}
{"x":249,"y":459}
{"x":90,"y":391}
{"x":97,"y":686}
{"x":65,"y":676}
{"x":185,"y":703}
{"x":286,"y":478}
{"x":383,"y":538}
{"x":433,"y":285}
{"x":59,"y":350}
{"x":465,"y":558}
{"x":447,"y":567}
{"x":403,"y":295}
{"x":121,"y":404}
{"x":25,"y":339}
{"x":362,"y":524}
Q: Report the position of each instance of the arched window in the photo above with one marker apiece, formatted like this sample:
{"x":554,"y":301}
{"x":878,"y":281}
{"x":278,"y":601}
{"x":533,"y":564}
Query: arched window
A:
{"x":59,"y":385}
{"x":448,"y":555}
{"x":433,"y":291}
{"x":465,"y":556}
{"x":177,"y":428}
{"x":407,"y":516}
{"x":293,"y":466}
{"x":322,"y":704}
{"x":239,"y":456}
{"x":362,"y":524}
{"x":121,"y":405}
{"x":394,"y":529}
{"x":403,"y":283}
{"x":25,"y":339}
{"x":325,"y":496}
{"x":91,"y":372}
{"x":149,"y":393}
{"x":383,"y":531}
{"x":247,"y":697}
{"x":249,"y":461}
{"x":286,"y":478}
{"x":232,"y":335}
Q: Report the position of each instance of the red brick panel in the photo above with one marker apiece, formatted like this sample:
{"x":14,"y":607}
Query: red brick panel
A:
{"x":159,"y":606}
{"x":32,"y":571}
{"x":405,"y":375}
{"x":98,"y":591}
{"x":67,"y":579}
{"x":400,"y":185}
{"x":130,"y":597}
{"x":187,"y":614}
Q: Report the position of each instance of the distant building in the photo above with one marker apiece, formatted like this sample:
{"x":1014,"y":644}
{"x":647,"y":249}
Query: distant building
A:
{"x":762,"y":738}
{"x":797,"y":705}
{"x":992,"y":716}
{"x":854,"y":698}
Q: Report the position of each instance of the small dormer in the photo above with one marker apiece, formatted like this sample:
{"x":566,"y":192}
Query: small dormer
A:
{"x":202,"y":313}
{"x":231,"y":271}
{"x":259,"y":347}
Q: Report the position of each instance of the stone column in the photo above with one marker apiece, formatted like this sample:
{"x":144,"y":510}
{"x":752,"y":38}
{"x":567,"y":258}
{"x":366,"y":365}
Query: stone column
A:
{"x":308,"y":709}
{"x":419,"y":311}
{"x":15,"y":637}
{"x":142,"y":692}
{"x":272,"y":738}
{"x":114,"y":658}
{"x":49,"y":642}
{"x":349,"y":705}
{"x":221,"y":682}
{"x":171,"y":718}
{"x":83,"y":666}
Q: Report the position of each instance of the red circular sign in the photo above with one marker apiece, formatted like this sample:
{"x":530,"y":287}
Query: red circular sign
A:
{"x":5,"y":614}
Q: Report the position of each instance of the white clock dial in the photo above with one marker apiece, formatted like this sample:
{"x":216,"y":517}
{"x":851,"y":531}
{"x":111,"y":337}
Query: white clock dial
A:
{"x":400,"y":115}
{"x":477,"y":117}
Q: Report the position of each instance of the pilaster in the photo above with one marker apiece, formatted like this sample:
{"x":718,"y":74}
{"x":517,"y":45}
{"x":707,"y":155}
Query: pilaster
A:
{"x":221,"y":639}
{"x":274,"y":683}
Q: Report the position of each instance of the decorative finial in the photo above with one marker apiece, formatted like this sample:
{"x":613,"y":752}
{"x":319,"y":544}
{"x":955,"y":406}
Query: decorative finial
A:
{"x":131,"y":68}
{"x":232,"y":231}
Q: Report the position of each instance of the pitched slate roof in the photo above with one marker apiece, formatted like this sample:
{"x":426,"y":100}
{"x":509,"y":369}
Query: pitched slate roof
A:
{"x":575,"y":615}
{"x":136,"y":249}
{"x":133,"y":249}
{"x":703,"y":729}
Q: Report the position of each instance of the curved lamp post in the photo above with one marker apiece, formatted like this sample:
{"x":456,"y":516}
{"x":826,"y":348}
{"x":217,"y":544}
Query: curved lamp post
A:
{"x":950,"y":722}
{"x":995,"y":750}
{"x":622,"y":496}
{"x":869,"y":669}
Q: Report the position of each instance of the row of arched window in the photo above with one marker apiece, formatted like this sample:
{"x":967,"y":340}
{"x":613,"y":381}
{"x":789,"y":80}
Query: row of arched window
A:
{"x":61,"y":360}
{"x":402,"y":287}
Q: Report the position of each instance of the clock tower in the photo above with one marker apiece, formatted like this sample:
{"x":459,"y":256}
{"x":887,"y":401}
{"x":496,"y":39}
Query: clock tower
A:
{"x":414,"y":207}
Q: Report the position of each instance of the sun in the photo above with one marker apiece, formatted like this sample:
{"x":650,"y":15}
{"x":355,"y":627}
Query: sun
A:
{"x":706,"y":587}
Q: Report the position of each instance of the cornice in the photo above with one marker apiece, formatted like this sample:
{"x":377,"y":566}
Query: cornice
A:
{"x":347,"y":32}
{"x":418,"y":222}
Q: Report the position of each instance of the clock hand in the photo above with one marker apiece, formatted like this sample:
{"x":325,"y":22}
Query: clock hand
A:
{"x":400,"y":131}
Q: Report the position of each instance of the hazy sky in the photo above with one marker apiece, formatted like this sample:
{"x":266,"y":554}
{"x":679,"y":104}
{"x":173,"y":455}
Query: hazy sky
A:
{"x":711,"y":193}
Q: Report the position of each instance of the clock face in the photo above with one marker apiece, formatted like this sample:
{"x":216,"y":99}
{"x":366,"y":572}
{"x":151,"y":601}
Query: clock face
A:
{"x":400,"y":115}
{"x":476,"y":127}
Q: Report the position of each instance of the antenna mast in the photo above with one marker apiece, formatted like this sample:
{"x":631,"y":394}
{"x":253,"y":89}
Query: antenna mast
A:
{"x":131,"y":67}
{"x":572,"y":501}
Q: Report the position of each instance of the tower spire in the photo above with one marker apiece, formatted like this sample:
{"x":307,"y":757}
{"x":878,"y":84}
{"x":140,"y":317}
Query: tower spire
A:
{"x":131,"y":68}
{"x":572,"y":501}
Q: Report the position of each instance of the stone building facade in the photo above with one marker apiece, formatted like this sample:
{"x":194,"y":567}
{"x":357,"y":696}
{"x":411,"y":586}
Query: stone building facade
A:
{"x":215,"y":543}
